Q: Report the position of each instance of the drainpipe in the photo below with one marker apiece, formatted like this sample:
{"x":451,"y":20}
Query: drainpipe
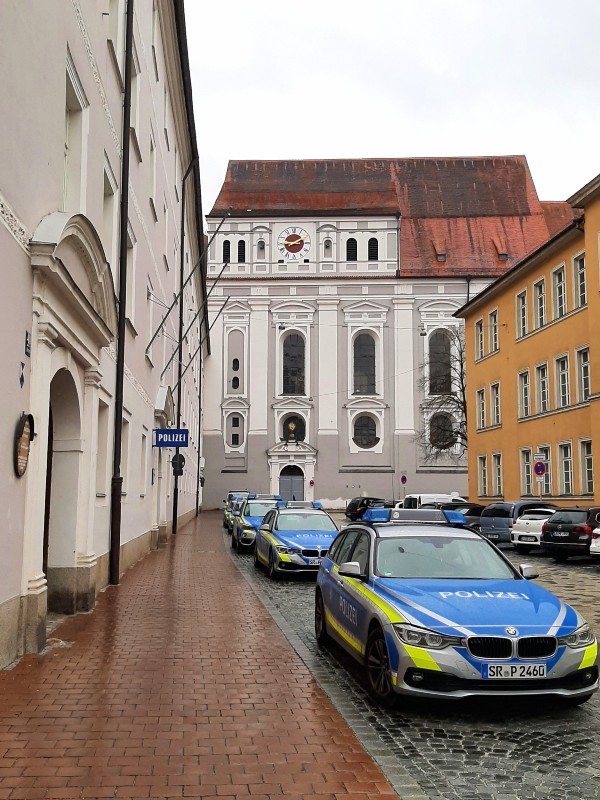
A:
{"x":398,"y":244}
{"x":468,"y":279}
{"x":116,"y":485}
{"x":188,"y":172}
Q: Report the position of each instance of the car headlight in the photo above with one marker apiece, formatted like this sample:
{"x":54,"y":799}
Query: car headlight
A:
{"x":421,"y":637}
{"x":287,"y":551}
{"x":579,"y":638}
{"x":248,"y":529}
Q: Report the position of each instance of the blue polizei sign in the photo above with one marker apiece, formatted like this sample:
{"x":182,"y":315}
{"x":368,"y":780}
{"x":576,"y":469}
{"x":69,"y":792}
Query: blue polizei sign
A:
{"x":171,"y":437}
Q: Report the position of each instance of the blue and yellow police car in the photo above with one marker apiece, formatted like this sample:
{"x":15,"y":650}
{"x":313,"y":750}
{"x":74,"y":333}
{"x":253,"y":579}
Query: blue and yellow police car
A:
{"x":233,"y":496}
{"x":248,"y":516}
{"x":293,"y":538}
{"x":430,"y":608}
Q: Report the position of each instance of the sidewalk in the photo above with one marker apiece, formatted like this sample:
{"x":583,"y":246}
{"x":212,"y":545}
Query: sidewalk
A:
{"x":179,"y":684}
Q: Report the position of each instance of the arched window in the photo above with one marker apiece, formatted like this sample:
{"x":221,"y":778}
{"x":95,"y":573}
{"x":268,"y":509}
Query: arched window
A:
{"x":294,"y":429}
{"x":373,"y":249}
{"x":364,"y":364}
{"x":293,"y":364}
{"x":226,"y":251}
{"x":260,"y":250}
{"x":235,"y":383}
{"x":235,"y":364}
{"x":440,"y":363}
{"x":441,"y":431}
{"x":351,"y":250}
{"x":365,"y":432}
{"x":241,"y":251}
{"x":327,"y":248}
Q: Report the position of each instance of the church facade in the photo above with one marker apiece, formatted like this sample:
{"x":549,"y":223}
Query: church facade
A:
{"x":334,"y":285}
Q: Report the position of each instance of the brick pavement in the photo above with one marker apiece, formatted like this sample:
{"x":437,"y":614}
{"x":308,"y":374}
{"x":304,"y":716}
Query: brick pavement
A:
{"x":179,"y":684}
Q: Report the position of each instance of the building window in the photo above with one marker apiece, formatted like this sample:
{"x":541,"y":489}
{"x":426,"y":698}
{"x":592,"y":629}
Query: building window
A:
{"x":294,"y":429}
{"x":524,"y":404}
{"x":497,"y":473}
{"x":235,"y":439}
{"x":235,"y":383}
{"x":442,"y":434}
{"x":226,"y":251}
{"x":365,"y":432}
{"x":260,"y":250}
{"x":495,"y":403}
{"x":241,"y":252}
{"x":565,"y":466}
{"x":293,"y":364}
{"x":102,"y":449}
{"x":75,"y":144}
{"x":479,"y":339}
{"x":587,"y":468}
{"x":351,"y":250}
{"x":493,"y":321}
{"x":583,"y":374}
{"x":373,"y":249}
{"x":580,"y":280}
{"x":235,"y":422}
{"x":440,"y":363}
{"x":539,"y":292}
{"x":541,"y":385}
{"x":481,"y":408}
{"x":235,"y":364}
{"x":364,"y":364}
{"x":521,"y":314}
{"x":562,"y":381}
{"x":526,"y":472}
{"x":544,"y":451}
{"x":327,"y":248}
{"x":482,"y":476}
{"x":560,"y":292}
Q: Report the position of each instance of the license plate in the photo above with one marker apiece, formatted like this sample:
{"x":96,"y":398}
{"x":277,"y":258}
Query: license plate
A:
{"x":493,"y":535}
{"x":314,"y":562}
{"x":527,"y":538}
{"x":560,"y":534}
{"x":515,"y":671}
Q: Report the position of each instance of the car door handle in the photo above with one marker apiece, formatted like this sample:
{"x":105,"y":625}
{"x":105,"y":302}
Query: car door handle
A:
{"x":340,"y":582}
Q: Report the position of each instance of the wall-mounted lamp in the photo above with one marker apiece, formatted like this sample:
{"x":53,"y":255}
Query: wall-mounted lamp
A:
{"x":422,"y":331}
{"x":281,"y":326}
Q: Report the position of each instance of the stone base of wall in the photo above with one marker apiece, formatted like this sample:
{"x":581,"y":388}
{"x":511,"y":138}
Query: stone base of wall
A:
{"x":10,"y":612}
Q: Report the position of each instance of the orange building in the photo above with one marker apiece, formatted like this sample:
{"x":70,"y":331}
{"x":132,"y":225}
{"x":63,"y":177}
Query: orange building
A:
{"x":533,"y":370}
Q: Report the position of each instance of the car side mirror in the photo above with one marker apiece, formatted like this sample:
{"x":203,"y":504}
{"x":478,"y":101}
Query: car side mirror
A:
{"x":351,"y":569}
{"x":236,"y":514}
{"x":528,"y":571}
{"x":264,"y":528}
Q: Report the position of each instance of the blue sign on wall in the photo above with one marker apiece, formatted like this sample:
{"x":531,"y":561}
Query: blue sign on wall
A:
{"x":171,"y":437}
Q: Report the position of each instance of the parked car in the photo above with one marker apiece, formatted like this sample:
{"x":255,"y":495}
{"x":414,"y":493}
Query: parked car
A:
{"x":595,"y":543}
{"x":497,"y":519}
{"x":294,"y":539}
{"x":432,"y":611}
{"x":358,"y":505}
{"x":568,"y":532}
{"x":417,"y":500}
{"x":247,"y":518}
{"x":232,"y":496}
{"x":526,"y":532}
{"x":470,"y":511}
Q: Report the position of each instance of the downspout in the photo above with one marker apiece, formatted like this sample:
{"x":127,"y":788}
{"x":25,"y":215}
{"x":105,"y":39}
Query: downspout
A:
{"x":398,"y":218}
{"x":468,"y":279}
{"x":117,"y":479}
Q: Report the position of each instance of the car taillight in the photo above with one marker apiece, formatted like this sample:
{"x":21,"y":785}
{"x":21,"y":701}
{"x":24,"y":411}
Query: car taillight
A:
{"x":582,"y":529}
{"x":596,"y":534}
{"x":545,"y":528}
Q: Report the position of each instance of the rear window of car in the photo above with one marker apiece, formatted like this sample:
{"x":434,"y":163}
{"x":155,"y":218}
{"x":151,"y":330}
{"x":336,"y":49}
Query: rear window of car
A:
{"x":503,"y":511}
{"x":536,"y":514}
{"x":563,"y":517}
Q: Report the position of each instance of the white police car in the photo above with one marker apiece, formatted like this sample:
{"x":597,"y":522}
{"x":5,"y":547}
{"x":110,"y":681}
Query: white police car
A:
{"x":434,"y":609}
{"x":294,"y":537}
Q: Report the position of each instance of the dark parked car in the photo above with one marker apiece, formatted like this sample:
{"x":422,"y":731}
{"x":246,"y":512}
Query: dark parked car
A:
{"x":568,"y":532}
{"x":470,"y":511}
{"x":358,"y":505}
{"x":497,"y":519}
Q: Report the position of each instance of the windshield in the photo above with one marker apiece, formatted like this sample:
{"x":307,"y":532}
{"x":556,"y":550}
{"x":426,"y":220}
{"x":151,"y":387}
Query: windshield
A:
{"x":439,"y":557}
{"x":256,"y":509}
{"x":569,"y":516}
{"x":305,"y":522}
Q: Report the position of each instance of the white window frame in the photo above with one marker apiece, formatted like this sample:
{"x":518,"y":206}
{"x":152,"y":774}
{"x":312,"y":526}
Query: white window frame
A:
{"x":480,"y":401}
{"x":542,"y":388}
{"x":526,"y":471}
{"x":580,"y":280}
{"x":495,"y":408}
{"x":497,"y":487}
{"x":524,"y":394}
{"x":479,"y":341}
{"x":584,"y":386}
{"x":546,"y":451}
{"x":539,"y":294}
{"x":559,"y":292}
{"x":586,"y":456}
{"x":521,"y":312}
{"x":563,"y":390}
{"x":493,"y":331}
{"x":565,"y":467}
{"x":482,"y":476}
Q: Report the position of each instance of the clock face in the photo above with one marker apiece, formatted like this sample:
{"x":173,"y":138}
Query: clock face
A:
{"x":293,"y":243}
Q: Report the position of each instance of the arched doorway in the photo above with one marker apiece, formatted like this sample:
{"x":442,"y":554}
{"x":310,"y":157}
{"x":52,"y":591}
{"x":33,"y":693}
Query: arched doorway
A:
{"x":62,"y":484}
{"x":291,"y":483}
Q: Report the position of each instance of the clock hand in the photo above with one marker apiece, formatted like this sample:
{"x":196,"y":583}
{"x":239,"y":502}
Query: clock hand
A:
{"x":294,"y":241}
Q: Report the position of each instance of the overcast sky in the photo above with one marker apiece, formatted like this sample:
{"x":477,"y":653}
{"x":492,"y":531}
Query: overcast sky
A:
{"x":398,"y":78}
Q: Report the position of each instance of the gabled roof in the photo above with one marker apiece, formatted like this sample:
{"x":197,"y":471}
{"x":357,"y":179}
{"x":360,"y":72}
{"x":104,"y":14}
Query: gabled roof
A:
{"x":458,"y":216}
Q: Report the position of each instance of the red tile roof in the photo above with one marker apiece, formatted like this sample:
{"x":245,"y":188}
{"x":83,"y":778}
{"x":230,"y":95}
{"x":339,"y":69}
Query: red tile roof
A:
{"x":482,"y":214}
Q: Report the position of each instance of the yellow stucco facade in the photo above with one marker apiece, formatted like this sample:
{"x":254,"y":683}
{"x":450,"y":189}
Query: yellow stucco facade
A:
{"x":533,"y":370}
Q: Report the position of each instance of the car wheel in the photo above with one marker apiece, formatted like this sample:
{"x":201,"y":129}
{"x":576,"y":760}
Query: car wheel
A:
{"x":378,"y":671}
{"x":522,"y":548}
{"x":272,"y":570}
{"x":255,"y":557}
{"x":560,"y":558}
{"x":232,"y":542}
{"x":320,"y":624}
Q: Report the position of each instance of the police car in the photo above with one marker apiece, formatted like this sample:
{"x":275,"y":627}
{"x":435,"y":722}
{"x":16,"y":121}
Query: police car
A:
{"x":248,"y":516}
{"x":431,"y":608}
{"x":233,"y":496}
{"x":294,"y":537}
